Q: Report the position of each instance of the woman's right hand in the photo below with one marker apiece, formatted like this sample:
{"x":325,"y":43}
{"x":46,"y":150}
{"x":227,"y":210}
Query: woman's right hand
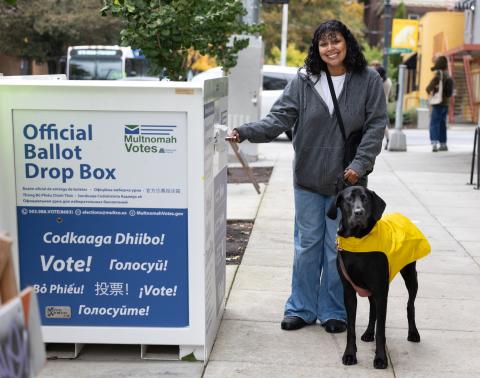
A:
{"x":351,"y":176}
{"x":233,"y":136}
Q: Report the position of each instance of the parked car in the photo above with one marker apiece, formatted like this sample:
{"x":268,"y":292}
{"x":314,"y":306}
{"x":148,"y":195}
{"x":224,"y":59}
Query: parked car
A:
{"x":275,"y":79}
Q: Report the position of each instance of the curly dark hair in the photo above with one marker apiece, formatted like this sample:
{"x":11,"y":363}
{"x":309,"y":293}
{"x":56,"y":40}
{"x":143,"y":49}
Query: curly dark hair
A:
{"x":354,"y":59}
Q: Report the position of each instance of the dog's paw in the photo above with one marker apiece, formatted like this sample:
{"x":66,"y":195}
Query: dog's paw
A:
{"x":413,"y":336}
{"x":349,"y":359}
{"x":368,"y":336}
{"x":380,"y":363}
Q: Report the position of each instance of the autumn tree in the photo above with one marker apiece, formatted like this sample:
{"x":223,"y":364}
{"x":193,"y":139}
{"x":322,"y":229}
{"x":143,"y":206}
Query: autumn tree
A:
{"x":304,"y":16}
{"x":42,"y":30}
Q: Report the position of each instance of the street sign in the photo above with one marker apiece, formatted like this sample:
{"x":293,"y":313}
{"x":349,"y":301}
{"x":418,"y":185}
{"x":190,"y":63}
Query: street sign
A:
{"x":394,"y":50}
{"x":405,"y":34}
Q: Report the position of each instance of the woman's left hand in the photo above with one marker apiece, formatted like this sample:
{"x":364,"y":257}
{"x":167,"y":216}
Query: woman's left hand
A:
{"x":351,"y":176}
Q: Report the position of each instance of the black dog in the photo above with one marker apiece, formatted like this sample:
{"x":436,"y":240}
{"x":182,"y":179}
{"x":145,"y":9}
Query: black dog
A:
{"x":369,"y":272}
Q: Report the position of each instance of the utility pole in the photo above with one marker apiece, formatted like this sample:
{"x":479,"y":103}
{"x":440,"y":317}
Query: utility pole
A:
{"x":283,"y":44}
{"x":245,"y":84}
{"x":283,"y":50}
{"x":387,"y":18}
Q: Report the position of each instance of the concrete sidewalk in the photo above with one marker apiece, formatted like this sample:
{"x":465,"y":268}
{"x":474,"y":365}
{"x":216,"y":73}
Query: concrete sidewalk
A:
{"x":431,"y":189}
{"x":428,"y":187}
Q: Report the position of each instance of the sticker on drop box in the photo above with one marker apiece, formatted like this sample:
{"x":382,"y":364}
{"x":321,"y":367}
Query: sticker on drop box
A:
{"x":185,"y":91}
{"x":58,"y":312}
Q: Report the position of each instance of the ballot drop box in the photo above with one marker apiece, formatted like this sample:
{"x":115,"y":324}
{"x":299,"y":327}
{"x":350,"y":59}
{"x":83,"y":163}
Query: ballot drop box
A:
{"x":115,"y":195}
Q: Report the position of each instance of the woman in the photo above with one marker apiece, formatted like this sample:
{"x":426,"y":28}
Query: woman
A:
{"x":438,"y":120}
{"x":306,"y":107}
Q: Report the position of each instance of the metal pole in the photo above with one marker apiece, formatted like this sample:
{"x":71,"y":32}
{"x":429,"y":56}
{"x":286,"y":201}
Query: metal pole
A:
{"x":387,"y":15}
{"x":478,"y":161}
{"x":398,"y":141}
{"x":283,"y":50}
{"x":399,"y":108}
{"x":472,"y":167}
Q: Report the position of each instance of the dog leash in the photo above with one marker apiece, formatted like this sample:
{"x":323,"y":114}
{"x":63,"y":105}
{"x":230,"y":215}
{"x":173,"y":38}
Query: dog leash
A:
{"x":360,"y":291}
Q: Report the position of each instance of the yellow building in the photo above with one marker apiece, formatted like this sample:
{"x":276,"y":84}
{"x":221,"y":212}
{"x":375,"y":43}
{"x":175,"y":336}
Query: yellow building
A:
{"x":438,"y":33}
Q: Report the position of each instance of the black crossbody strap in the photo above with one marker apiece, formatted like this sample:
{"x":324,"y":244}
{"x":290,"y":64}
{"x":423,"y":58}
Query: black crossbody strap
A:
{"x":335,"y":104}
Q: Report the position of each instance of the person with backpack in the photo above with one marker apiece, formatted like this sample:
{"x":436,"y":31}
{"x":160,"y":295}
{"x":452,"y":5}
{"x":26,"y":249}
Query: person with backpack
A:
{"x":440,"y":89}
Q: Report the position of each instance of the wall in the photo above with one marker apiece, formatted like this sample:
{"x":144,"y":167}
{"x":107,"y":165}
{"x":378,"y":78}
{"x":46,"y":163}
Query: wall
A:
{"x":11,"y":66}
{"x":373,"y":16}
{"x":451,"y":24}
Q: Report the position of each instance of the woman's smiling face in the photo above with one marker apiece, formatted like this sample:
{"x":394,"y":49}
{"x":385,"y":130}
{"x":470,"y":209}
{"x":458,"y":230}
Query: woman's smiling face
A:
{"x":333,"y":49}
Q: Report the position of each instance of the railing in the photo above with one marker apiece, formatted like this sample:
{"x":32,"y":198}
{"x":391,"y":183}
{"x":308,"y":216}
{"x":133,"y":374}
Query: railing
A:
{"x":476,"y":156}
{"x":467,"y":59}
{"x":475,"y":79}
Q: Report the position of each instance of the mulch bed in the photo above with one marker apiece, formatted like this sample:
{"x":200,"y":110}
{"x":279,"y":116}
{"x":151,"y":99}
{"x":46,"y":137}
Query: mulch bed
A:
{"x":238,"y":175}
{"x":238,"y":231}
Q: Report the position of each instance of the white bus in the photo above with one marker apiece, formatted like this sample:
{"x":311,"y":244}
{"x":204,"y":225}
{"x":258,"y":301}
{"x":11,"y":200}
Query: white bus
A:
{"x":104,"y":63}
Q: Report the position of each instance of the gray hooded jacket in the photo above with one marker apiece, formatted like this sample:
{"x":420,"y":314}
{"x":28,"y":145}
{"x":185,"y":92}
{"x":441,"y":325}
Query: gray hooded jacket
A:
{"x":317,"y":140}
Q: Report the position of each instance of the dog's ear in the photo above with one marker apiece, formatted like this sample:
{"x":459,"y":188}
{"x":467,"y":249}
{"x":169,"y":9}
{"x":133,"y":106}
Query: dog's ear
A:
{"x":332,"y":211}
{"x":378,"y":206}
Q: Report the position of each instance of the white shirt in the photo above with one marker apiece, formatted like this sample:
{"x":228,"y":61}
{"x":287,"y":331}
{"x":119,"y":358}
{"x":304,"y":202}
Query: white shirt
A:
{"x":387,"y":87}
{"x":324,"y":91}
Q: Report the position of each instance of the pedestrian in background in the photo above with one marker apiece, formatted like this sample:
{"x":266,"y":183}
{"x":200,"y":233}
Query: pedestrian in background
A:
{"x":440,"y":89}
{"x":375,"y":64}
{"x":387,"y":87}
{"x":306,"y":107}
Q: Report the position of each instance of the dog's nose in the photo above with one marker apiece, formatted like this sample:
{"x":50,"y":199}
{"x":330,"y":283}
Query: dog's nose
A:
{"x":358,"y":211}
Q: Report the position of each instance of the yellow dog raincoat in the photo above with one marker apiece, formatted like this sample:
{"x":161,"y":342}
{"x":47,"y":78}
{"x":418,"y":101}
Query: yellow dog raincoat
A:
{"x":396,"y":236}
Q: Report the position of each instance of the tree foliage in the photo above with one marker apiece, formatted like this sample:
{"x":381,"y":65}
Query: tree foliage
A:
{"x":400,"y":11}
{"x":372,"y":53}
{"x":43,"y":29}
{"x":303,"y":18}
{"x":295,"y":57}
{"x":200,"y":63}
{"x":166,"y":30}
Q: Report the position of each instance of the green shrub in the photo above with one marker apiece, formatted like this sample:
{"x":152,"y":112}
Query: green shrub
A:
{"x":391,"y":112}
{"x":409,"y":115}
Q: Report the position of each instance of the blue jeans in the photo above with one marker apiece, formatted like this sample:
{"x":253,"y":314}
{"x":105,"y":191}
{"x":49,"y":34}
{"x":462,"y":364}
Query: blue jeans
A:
{"x":317,"y":292}
{"x":438,"y":124}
